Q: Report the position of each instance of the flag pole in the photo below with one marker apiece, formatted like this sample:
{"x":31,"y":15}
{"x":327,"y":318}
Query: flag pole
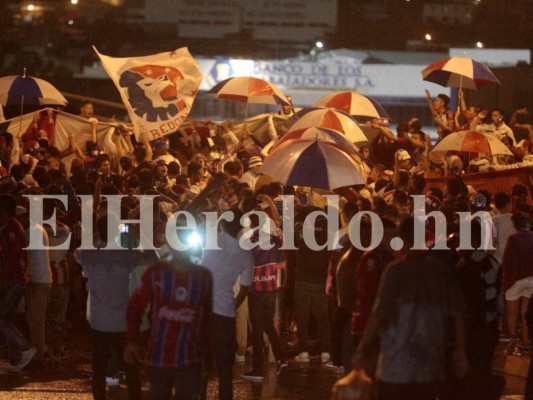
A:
{"x":94,"y":100}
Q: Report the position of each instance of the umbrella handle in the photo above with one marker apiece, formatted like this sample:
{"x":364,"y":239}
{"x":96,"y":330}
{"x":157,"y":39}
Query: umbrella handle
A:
{"x":21,"y":110}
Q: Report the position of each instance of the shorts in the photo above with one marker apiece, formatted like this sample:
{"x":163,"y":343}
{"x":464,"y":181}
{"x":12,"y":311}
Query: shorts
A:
{"x":521,"y":288}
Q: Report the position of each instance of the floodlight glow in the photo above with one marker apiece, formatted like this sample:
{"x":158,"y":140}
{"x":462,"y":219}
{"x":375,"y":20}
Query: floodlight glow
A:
{"x":194,"y":239}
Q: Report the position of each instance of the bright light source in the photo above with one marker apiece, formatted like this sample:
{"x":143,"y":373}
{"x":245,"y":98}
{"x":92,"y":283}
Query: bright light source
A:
{"x":31,"y":7}
{"x":319,"y":44}
{"x":479,"y":45}
{"x":428,"y":36}
{"x":194,"y":239}
{"x":71,"y":22}
{"x":74,"y":2}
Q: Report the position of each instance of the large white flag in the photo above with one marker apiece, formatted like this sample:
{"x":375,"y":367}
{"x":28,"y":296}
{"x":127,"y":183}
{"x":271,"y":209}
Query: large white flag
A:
{"x":158,"y":90}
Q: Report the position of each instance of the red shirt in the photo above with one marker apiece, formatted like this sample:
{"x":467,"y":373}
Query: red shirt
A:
{"x":267,"y":264}
{"x":369,"y":270}
{"x":13,"y":257}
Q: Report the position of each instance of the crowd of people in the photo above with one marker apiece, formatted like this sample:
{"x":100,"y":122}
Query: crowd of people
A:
{"x":409,"y":319}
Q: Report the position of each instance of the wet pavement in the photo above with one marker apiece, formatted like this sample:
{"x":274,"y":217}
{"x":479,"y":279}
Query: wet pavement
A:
{"x":71,"y":380}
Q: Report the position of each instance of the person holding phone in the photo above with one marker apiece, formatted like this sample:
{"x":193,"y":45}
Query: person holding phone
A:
{"x":496,"y":126}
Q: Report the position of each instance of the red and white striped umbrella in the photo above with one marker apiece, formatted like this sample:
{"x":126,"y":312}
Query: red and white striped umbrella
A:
{"x":318,"y":133}
{"x":472,"y":143}
{"x":248,"y":89}
{"x":313,"y":163}
{"x":462,"y":72}
{"x":354,"y":104}
{"x":328,"y":118}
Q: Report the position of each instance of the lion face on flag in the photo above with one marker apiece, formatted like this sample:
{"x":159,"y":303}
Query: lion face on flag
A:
{"x":153,"y":91}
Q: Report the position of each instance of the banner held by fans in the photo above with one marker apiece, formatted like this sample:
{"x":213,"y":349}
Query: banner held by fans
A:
{"x":158,"y":90}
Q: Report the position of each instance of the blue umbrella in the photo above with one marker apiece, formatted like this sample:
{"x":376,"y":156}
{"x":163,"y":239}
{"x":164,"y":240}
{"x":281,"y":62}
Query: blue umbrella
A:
{"x":18,"y":90}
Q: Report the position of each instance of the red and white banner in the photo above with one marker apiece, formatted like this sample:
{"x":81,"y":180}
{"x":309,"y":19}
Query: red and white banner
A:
{"x":157,"y":90}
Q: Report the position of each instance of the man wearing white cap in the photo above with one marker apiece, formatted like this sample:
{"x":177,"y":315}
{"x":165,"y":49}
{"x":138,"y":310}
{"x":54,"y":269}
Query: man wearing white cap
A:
{"x":250,"y":177}
{"x":403,"y":159}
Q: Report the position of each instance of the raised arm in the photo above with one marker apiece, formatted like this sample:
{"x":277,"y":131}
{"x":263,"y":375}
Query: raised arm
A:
{"x":462,"y":103}
{"x":93,"y":122}
{"x":148,"y":147}
{"x":513,"y":124}
{"x":430,"y":102}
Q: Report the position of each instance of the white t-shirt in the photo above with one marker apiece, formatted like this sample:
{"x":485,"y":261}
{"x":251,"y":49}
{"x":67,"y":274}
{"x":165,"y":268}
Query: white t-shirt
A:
{"x":499,"y":132}
{"x":249,"y":178}
{"x":226,"y":265}
{"x":38,"y":260}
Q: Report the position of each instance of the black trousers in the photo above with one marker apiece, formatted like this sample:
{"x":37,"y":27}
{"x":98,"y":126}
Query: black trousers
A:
{"x":341,"y":338}
{"x":103,"y":344}
{"x":311,"y":299}
{"x":262,"y":307}
{"x":407,"y":391}
{"x":187,"y":381}
{"x":224,"y":348}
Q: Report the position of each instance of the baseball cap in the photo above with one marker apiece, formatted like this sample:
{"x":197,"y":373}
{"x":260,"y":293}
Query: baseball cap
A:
{"x":255,"y":161}
{"x":387,"y":175}
{"x":402,"y":155}
{"x":478,"y":200}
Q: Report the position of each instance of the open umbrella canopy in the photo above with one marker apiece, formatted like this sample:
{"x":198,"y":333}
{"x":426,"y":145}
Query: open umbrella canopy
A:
{"x":16,"y":90}
{"x":354,"y":104}
{"x":313,"y":163}
{"x":327,"y":118}
{"x":318,"y":133}
{"x":248,"y":89}
{"x":461,"y":72}
{"x":472,"y":143}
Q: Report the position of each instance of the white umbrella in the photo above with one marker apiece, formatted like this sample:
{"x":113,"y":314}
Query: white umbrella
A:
{"x":471,"y":143}
{"x":315,"y":164}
